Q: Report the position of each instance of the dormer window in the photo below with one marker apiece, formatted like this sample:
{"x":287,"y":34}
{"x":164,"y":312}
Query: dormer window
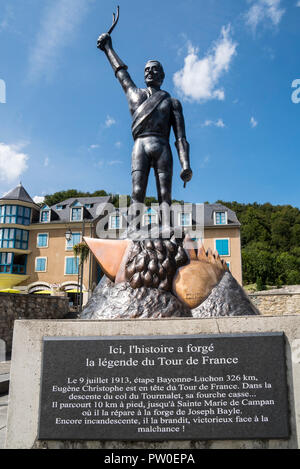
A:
{"x":150,"y":217}
{"x":220,"y":218}
{"x":185,"y":219}
{"x":45,"y":216}
{"x":76,"y":214}
{"x":115,"y":222}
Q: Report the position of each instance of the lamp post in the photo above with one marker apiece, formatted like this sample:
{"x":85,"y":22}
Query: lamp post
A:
{"x":81,"y":270}
{"x":69,"y":235}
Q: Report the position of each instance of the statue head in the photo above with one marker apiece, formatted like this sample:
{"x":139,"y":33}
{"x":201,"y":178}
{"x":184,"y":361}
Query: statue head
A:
{"x":154,"y":73}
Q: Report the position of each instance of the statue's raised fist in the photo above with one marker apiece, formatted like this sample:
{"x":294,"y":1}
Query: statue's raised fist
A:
{"x":103,"y":41}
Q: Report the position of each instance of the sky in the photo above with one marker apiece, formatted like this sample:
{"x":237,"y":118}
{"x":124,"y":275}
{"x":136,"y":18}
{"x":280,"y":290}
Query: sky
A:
{"x":233,"y":64}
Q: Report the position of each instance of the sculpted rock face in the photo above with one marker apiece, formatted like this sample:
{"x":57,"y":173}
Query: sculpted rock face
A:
{"x":194,"y":282}
{"x":159,"y":278}
{"x":166,"y":265}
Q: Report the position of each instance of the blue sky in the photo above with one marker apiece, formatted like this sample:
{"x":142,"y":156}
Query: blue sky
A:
{"x":65,"y":121}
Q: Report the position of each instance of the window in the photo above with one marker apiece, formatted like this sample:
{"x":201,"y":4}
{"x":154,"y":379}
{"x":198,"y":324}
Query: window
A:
{"x":185,"y":219}
{"x":76,"y":214}
{"x":150,"y":217}
{"x":15,"y":214}
{"x":42,"y":240}
{"x":23,"y":216}
{"x":6,"y":260}
{"x":45,"y":216}
{"x":220,"y":218}
{"x":115,"y":222}
{"x":89,"y":205}
{"x":75,"y":239}
{"x":13,"y":238}
{"x":222,"y":246}
{"x":41,"y":264}
{"x":71,"y":266}
{"x":19,"y":264}
{"x":13,"y":263}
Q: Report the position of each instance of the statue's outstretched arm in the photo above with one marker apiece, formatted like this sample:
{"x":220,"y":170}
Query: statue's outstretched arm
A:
{"x":105,"y":44}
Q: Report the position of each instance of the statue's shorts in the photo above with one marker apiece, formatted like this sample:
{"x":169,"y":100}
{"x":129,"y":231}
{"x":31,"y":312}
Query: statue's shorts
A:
{"x":152,"y":151}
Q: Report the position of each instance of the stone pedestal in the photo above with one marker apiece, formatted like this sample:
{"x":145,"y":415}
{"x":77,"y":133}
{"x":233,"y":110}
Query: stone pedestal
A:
{"x":24,"y":398}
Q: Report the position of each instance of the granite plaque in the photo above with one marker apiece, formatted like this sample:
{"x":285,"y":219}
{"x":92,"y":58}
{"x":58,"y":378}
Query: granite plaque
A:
{"x":164,"y":388}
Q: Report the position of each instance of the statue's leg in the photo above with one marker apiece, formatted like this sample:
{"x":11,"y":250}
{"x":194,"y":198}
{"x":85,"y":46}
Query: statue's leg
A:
{"x":163,"y":175}
{"x":139,"y":185}
{"x":140,"y":167}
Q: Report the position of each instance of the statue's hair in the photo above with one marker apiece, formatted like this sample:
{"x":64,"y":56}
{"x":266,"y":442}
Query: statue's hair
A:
{"x":160,"y":66}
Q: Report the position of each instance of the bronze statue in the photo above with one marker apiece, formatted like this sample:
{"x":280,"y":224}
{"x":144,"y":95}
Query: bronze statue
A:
{"x":154,"y":112}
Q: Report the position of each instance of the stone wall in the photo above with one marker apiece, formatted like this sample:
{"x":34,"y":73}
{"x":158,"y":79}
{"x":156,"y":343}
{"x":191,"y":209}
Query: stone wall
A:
{"x":18,"y":306}
{"x":276,"y":303}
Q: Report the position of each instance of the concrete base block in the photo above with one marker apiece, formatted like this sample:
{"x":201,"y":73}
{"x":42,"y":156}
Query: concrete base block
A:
{"x":24,"y":394}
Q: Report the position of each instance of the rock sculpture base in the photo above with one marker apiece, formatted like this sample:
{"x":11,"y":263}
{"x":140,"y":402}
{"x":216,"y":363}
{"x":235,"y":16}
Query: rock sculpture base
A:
{"x":121,"y":301}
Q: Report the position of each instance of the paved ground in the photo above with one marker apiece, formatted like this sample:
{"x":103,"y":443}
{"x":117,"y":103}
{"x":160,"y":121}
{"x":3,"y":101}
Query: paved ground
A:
{"x":4,"y":379}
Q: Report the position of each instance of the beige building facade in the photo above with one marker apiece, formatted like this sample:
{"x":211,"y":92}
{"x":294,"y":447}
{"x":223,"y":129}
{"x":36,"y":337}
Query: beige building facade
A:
{"x":36,"y":242}
{"x":36,"y":249}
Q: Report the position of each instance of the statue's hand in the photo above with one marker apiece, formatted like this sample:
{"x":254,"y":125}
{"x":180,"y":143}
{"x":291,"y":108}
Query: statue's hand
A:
{"x":103,"y":41}
{"x":186,"y":175}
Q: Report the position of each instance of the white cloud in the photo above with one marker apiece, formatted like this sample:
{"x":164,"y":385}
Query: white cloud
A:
{"x":100,"y":164}
{"x":46,"y":162}
{"x":57,"y":29}
{"x":298,"y":3}
{"x":6,"y":18}
{"x":94,"y":146}
{"x":199,"y":78}
{"x":109,"y":121}
{"x":38,"y":199}
{"x":13,"y":162}
{"x":118,"y":144}
{"x":253,"y":122}
{"x":263,"y":11}
{"x":217,"y":123}
{"x":205,"y":161}
{"x":114,"y":162}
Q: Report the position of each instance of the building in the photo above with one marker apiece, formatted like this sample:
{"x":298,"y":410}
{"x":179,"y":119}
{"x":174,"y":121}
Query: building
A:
{"x":215,"y":225}
{"x":36,"y":242}
{"x":35,"y":254}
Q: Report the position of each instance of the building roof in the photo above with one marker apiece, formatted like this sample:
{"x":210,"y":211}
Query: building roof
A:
{"x":18,"y":194}
{"x":207,"y":215}
{"x":90,"y":213}
{"x":209,"y":210}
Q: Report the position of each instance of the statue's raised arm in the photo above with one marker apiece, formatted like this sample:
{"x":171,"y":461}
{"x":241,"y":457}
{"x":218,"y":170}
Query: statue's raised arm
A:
{"x":104,"y":43}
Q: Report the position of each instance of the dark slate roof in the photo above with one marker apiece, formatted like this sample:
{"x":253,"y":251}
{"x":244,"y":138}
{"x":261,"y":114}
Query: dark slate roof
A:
{"x":19,"y":193}
{"x":91,"y":214}
{"x":209,"y":210}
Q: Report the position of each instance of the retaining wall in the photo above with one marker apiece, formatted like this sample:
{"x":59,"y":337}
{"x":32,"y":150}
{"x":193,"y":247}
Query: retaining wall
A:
{"x":18,"y":306}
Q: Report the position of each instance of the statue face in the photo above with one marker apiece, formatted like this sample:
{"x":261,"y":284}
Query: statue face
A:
{"x":154,"y":74}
